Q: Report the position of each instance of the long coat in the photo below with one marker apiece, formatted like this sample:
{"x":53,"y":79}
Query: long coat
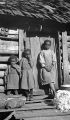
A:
{"x":47,"y":59}
{"x":12,"y":77}
{"x":27,"y":81}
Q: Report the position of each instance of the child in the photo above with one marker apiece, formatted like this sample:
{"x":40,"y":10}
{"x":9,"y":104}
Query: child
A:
{"x":27,"y":83}
{"x":47,"y":61}
{"x":12,"y":75}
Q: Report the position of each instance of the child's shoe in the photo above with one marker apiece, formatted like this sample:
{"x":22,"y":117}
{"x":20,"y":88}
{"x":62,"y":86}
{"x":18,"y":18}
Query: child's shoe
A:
{"x":31,"y":95}
{"x":31,"y":98}
{"x":27,"y":98}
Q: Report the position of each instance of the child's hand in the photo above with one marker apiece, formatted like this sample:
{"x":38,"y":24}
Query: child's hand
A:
{"x":48,"y":68}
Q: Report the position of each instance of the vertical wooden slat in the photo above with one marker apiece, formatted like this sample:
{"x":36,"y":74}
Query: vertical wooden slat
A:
{"x":58,"y":38}
{"x":21,"y":42}
{"x":27,"y":43}
{"x":35,"y":50}
{"x":65,"y":58}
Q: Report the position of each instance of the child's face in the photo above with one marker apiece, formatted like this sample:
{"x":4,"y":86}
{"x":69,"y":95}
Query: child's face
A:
{"x":28,"y":54}
{"x":13,"y":62}
{"x":47,"y":45}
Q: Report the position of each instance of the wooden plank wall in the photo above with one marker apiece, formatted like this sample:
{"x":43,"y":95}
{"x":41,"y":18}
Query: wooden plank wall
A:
{"x":8,"y":46}
{"x":65,"y":58}
{"x":35,"y":44}
{"x":15,"y":44}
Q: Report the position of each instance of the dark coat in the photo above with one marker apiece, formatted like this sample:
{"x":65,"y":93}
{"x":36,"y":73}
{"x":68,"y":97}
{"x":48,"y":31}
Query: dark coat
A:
{"x":12,"y":77}
{"x":27,"y":81}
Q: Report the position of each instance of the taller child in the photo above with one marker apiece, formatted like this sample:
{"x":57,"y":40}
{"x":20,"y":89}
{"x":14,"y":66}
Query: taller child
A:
{"x":47,"y":61}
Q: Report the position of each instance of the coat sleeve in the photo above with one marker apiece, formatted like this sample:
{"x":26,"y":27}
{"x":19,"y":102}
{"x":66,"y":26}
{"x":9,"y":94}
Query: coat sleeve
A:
{"x":31,"y":62}
{"x":18,"y":68}
{"x":53,"y":58}
{"x":6,"y":71}
{"x":41,"y":59}
{"x":21,"y":67}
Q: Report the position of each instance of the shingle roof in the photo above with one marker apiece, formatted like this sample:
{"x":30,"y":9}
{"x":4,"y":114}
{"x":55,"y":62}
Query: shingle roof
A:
{"x":58,"y":10}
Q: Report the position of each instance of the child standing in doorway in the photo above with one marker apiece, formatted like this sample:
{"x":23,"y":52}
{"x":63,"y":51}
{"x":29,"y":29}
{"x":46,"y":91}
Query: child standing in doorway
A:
{"x":12,"y":75}
{"x":47,"y":62}
{"x":27,"y":82}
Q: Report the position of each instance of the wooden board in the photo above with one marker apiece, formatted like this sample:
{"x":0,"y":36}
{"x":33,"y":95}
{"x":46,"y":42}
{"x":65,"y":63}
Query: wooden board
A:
{"x":4,"y":58}
{"x":8,"y":43}
{"x":40,"y":113}
{"x":3,"y":66}
{"x":1,"y":88}
{"x":1,"y":73}
{"x":65,"y":58}
{"x":50,"y":118}
{"x":27,"y":43}
{"x":35,"y":50}
{"x":5,"y":51}
{"x":1,"y":81}
{"x":21,"y":42}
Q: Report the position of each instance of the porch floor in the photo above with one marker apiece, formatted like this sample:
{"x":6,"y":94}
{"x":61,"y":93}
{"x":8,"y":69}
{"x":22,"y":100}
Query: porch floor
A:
{"x":38,"y":109}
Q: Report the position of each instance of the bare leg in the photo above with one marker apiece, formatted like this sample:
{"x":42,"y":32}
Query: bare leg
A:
{"x":16,"y":92}
{"x":8,"y":92}
{"x":52,"y":88}
{"x":31,"y":94}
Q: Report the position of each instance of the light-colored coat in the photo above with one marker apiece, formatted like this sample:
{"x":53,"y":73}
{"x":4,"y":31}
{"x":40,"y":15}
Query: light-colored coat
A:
{"x":47,"y":58}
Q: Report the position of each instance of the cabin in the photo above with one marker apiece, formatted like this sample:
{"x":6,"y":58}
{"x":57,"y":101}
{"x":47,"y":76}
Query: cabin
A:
{"x":27,"y":24}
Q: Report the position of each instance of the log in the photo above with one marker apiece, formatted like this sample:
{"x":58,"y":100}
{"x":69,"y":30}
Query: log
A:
{"x":9,"y":38}
{"x":13,"y":37}
{"x":5,"y":47}
{"x":3,"y":66}
{"x":4,"y":58}
{"x":10,"y":34}
{"x":1,"y":88}
{"x":1,"y":73}
{"x":13,"y":31}
{"x":1,"y":81}
{"x":8,"y":43}
{"x":8,"y":51}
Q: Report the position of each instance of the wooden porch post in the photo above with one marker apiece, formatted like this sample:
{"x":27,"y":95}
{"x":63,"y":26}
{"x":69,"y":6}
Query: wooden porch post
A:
{"x":21,"y":42}
{"x":65,"y":58}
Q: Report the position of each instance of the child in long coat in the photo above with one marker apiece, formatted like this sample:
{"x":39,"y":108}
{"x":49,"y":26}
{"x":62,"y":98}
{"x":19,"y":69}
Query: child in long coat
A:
{"x":12,"y":75}
{"x":47,"y":62}
{"x":27,"y":82}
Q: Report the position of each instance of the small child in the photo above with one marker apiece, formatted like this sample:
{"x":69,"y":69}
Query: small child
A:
{"x":47,"y":60}
{"x":27,"y":83}
{"x":12,"y":75}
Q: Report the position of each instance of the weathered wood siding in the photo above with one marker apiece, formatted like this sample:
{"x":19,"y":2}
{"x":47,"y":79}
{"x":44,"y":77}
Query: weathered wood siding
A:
{"x":15,"y":43}
{"x":34,"y":43}
{"x":8,"y":45}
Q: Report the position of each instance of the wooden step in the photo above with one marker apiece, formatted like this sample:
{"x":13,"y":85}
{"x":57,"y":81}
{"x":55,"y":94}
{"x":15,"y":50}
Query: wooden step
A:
{"x":39,"y":113}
